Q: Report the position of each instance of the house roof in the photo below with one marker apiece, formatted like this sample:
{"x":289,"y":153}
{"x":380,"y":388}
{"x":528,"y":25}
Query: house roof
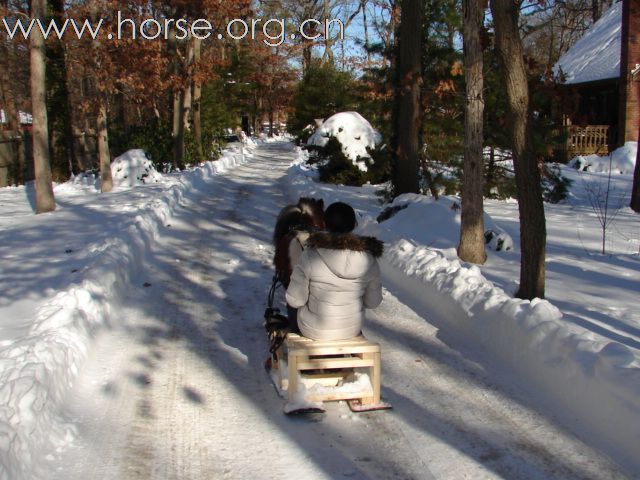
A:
{"x":596,"y":56}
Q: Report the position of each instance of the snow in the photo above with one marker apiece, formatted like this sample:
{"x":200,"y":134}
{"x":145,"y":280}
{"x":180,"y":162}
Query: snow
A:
{"x":354,"y":132}
{"x":67,"y":274}
{"x":622,"y":161}
{"x":596,"y":56}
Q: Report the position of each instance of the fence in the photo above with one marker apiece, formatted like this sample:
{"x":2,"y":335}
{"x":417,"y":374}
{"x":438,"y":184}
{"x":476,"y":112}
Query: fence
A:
{"x":16,"y":166}
{"x":16,"y":158}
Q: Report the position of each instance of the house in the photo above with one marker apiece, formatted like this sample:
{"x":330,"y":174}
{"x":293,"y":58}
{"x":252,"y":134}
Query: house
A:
{"x":601,"y":97}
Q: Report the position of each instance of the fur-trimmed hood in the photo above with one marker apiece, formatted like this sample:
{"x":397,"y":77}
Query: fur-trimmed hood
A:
{"x":346,"y":241}
{"x":347,"y":255}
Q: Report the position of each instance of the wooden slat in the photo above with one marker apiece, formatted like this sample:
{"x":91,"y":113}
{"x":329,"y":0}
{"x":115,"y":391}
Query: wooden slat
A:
{"x":292,"y":338}
{"x":319,"y":350}
{"x":347,"y":362}
{"x":297,"y":345}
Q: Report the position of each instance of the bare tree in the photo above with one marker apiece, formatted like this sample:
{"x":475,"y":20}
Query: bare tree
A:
{"x":45,"y":201}
{"x":409,"y":81}
{"x":601,"y":199}
{"x":471,"y":248}
{"x":533,"y":232}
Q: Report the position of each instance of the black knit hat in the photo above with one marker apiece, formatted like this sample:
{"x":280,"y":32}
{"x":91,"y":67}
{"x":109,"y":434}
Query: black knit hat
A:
{"x":340,"y":218}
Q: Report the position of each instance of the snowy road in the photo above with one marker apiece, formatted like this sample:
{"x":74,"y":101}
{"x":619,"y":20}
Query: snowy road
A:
{"x":180,"y":392}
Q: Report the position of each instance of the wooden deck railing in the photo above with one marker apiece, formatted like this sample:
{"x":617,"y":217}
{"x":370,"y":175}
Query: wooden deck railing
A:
{"x":592,"y":139}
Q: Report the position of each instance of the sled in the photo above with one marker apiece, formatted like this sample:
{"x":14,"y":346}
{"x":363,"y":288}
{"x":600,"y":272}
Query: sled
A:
{"x":322,"y":371}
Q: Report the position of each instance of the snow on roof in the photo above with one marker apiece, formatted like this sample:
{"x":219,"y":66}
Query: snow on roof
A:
{"x":596,"y":56}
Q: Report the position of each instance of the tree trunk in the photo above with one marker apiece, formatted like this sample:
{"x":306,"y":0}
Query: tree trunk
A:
{"x":104,"y":155}
{"x":409,"y":80}
{"x":187,"y":103}
{"x":327,"y":56}
{"x":45,"y":201}
{"x":197,"y":97}
{"x":471,"y":248}
{"x":184,"y":119}
{"x":306,"y":56}
{"x":531,"y":208}
{"x":178,"y":141}
{"x":176,"y":135}
{"x":270,"y":120}
{"x":367,"y":46}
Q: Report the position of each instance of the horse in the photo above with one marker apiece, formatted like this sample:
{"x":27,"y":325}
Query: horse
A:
{"x":293,"y":226}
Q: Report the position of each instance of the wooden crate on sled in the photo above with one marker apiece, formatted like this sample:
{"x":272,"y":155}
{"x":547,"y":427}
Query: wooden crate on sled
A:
{"x":331,"y":363}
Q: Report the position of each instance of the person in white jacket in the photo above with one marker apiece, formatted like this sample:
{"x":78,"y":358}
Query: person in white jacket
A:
{"x":336,"y":278}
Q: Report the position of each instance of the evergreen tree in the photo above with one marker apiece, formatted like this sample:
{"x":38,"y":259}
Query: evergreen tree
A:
{"x":322,"y":92}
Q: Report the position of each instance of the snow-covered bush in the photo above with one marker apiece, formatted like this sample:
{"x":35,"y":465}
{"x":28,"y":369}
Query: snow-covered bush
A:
{"x":555,"y":186}
{"x":621,"y":160}
{"x":498,"y":241}
{"x":133,"y":168}
{"x":335,"y":167}
{"x":355,"y":134}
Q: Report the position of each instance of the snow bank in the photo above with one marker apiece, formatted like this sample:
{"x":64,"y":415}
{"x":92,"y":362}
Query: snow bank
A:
{"x":37,"y":370}
{"x":354,"y":132}
{"x":622,"y":161}
{"x":592,"y":382}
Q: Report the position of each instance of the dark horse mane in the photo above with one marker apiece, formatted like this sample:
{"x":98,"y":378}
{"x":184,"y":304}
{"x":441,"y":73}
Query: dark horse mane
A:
{"x":305,"y":216}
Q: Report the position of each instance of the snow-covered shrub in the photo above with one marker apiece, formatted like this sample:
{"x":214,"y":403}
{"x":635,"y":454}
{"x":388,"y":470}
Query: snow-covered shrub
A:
{"x":499,"y":176}
{"x":579,"y":163}
{"x":133,"y":168}
{"x":389,"y":212}
{"x":355,"y":134}
{"x":498,"y":241}
{"x":335,"y":167}
{"x":555,"y":186}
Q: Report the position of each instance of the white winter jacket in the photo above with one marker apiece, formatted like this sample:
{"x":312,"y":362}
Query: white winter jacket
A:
{"x":336,"y":278}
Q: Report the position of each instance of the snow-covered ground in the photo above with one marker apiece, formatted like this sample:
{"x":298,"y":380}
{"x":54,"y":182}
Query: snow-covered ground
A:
{"x":122,"y":310}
